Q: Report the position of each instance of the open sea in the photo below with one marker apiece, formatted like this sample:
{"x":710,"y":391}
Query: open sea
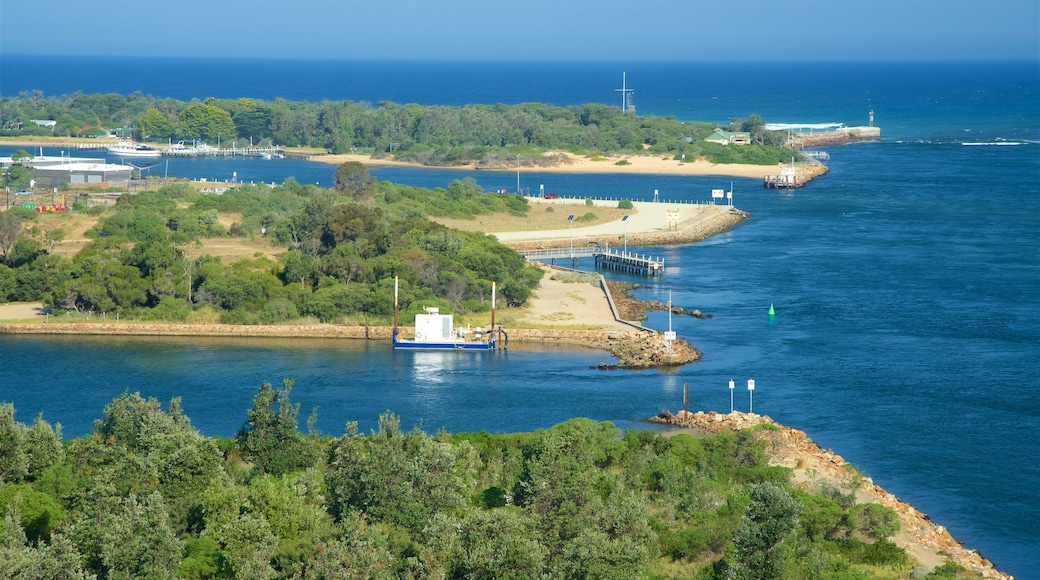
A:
{"x":906,"y":281}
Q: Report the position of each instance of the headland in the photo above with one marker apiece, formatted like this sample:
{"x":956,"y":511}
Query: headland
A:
{"x":926,"y":541}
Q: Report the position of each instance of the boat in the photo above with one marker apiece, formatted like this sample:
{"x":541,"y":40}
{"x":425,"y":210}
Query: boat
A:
{"x":436,"y":331}
{"x":131,"y":149}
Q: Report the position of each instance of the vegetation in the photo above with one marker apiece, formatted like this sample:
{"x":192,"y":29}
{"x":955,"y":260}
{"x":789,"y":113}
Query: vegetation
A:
{"x":431,"y":135}
{"x":146,"y":496}
{"x":342,"y":248}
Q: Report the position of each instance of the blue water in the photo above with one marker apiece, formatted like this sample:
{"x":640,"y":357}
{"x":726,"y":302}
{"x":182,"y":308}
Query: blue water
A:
{"x":906,"y":284}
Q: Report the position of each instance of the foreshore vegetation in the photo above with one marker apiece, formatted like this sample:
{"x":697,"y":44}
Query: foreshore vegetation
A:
{"x":338,"y":251}
{"x":145,"y":495}
{"x":484,"y":135}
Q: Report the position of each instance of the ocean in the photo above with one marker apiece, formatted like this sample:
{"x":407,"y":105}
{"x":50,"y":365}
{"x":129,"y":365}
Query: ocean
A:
{"x":906,"y":281}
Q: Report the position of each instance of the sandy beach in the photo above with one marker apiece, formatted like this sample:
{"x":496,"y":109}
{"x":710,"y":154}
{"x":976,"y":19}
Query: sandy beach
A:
{"x":631,"y":164}
{"x":645,"y":164}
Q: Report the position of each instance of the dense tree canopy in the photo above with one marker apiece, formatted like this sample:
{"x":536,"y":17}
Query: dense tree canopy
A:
{"x":341,"y":252}
{"x":432,"y":135}
{"x":146,"y":496}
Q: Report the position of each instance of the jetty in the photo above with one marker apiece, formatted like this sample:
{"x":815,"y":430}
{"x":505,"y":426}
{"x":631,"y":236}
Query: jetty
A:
{"x":181,"y":150}
{"x":618,"y":261}
{"x":265,"y":152}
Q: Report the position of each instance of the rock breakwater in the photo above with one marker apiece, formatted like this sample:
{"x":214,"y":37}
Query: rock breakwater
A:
{"x":924,"y":540}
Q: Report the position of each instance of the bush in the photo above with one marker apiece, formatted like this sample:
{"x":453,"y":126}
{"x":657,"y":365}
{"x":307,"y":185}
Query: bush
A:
{"x":884,"y":553}
{"x":625,"y":204}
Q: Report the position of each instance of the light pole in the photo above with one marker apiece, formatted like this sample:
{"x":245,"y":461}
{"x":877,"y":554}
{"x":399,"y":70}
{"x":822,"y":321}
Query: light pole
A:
{"x":751,"y":396}
{"x":624,"y":220}
{"x":518,"y":174}
{"x":731,"y":386}
{"x":570,"y":219}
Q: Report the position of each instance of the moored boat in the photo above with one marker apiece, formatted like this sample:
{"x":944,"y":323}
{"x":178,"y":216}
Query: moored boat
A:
{"x":436,"y":331}
{"x":131,"y":149}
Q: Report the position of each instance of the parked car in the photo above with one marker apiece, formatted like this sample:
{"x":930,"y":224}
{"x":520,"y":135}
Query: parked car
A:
{"x":552,"y":196}
{"x":23,"y":192}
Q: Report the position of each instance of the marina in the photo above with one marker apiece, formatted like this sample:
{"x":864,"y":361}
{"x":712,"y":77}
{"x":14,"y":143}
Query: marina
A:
{"x":137,"y":150}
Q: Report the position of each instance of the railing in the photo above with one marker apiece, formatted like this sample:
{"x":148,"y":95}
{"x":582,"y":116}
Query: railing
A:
{"x":586,"y":251}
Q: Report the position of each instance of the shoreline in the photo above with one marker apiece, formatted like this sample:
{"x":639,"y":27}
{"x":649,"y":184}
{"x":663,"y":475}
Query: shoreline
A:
{"x":637,"y":164}
{"x":640,"y":164}
{"x":927,"y":542}
{"x":924,"y":540}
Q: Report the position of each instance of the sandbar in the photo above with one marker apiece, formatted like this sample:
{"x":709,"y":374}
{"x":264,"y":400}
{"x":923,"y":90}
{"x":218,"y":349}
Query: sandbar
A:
{"x":624,"y":164}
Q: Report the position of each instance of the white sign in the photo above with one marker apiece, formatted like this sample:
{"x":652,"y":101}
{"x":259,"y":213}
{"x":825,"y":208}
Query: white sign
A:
{"x":669,"y":335}
{"x":717,"y":193}
{"x":751,"y":384}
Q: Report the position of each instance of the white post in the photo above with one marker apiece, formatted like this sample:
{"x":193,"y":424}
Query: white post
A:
{"x":570,"y":219}
{"x":624,"y":220}
{"x":518,"y":174}
{"x":731,"y":386}
{"x":751,"y":396}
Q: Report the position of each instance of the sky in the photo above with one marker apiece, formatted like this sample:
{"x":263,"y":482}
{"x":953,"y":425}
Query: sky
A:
{"x":534,"y":30}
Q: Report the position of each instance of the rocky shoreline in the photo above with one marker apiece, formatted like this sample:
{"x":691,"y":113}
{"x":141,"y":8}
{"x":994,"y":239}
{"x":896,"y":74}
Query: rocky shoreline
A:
{"x":928,"y":542}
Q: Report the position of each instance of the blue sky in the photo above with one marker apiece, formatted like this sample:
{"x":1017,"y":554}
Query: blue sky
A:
{"x":613,"y":30}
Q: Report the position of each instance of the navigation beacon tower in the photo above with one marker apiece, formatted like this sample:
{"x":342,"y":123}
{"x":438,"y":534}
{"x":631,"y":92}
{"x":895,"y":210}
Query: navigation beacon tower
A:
{"x":626,"y":96}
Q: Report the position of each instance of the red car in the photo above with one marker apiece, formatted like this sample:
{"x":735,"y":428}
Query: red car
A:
{"x":552,"y":196}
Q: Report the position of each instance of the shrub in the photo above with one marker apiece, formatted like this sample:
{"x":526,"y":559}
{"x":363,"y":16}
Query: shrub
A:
{"x":625,"y":204}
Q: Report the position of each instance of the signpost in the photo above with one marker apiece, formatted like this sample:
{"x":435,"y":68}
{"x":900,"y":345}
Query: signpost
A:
{"x":673,"y":217}
{"x":731,"y":385}
{"x":751,"y":395}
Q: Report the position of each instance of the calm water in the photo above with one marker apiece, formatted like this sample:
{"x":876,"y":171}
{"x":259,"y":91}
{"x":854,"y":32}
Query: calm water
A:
{"x":906,"y":284}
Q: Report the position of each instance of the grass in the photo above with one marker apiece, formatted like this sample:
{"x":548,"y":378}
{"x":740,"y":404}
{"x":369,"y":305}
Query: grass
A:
{"x":541,"y":217}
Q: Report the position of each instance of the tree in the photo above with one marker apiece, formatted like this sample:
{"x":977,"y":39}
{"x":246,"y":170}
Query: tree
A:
{"x":39,"y":560}
{"x":769,"y":519}
{"x":209,"y":122}
{"x":352,"y":179}
{"x":137,"y":541}
{"x":497,"y":543}
{"x":18,"y":176}
{"x":42,"y":445}
{"x":155,"y":124}
{"x":14,"y":465}
{"x":10,"y":231}
{"x":270,"y":439}
{"x":397,"y":477}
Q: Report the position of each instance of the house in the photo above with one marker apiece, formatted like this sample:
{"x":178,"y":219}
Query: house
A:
{"x":729,"y":138}
{"x":44,"y":123}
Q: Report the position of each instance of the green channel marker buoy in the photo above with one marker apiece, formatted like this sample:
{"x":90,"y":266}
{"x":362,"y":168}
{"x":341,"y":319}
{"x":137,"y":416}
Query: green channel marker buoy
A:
{"x":771,"y":311}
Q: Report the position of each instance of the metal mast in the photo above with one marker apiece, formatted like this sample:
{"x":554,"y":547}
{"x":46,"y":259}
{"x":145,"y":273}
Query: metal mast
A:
{"x":626,"y":94}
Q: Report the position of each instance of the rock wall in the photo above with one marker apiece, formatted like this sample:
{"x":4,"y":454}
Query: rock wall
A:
{"x":793,"y":448}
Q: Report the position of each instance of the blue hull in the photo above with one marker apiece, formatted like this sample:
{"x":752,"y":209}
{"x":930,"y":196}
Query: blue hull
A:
{"x":405,"y":344}
{"x":409,"y":345}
